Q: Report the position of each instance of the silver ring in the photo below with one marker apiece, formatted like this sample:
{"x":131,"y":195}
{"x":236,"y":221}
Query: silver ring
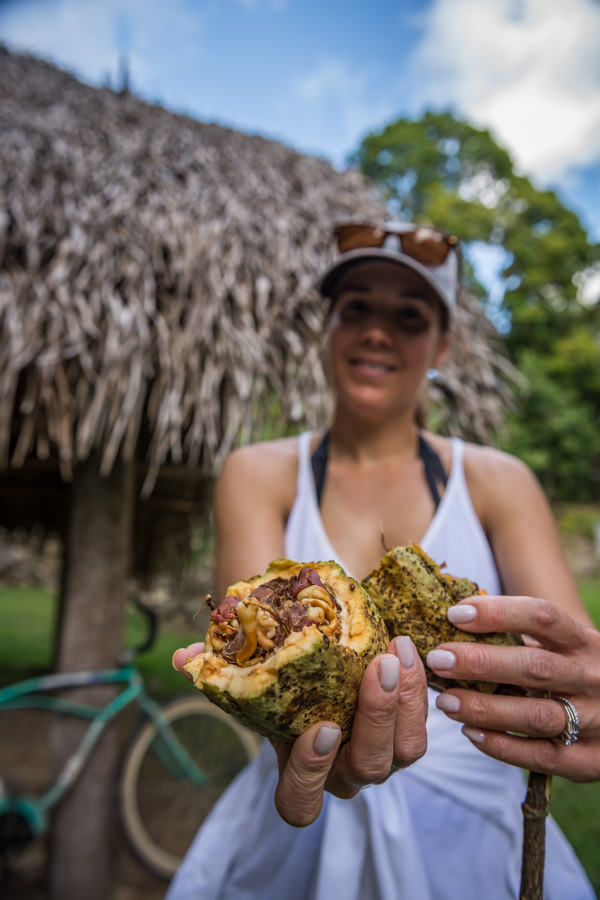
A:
{"x":570,"y":733}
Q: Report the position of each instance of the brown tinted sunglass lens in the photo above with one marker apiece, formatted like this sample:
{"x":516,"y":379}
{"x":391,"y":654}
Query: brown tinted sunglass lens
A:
{"x":428,"y":247}
{"x":351,"y":237}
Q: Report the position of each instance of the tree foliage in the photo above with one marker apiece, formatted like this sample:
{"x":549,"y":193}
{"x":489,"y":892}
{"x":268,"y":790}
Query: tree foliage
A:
{"x":444,"y":171}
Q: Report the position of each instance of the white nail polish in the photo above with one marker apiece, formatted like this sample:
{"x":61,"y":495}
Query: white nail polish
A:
{"x":405,"y":651}
{"x":441,"y":659}
{"x":389,"y":672}
{"x":448,"y":703}
{"x":462,"y":613}
{"x":478,"y":737}
{"x":326,"y":740}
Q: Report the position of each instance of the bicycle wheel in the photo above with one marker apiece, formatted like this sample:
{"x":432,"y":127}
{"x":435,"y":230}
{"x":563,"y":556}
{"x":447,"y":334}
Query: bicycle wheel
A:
{"x":162,"y":812}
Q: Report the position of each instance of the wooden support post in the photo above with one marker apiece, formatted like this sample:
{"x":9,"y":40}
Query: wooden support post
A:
{"x":94,"y":584}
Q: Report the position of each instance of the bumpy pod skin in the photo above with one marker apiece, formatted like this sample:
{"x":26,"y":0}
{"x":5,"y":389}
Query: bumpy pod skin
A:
{"x":311,"y":677}
{"x":413,"y":596}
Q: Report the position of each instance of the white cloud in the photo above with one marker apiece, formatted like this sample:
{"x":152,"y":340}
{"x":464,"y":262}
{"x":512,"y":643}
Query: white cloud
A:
{"x":588,"y":283}
{"x":338,"y":98}
{"x":331,"y":78}
{"x":88,"y":38}
{"x":527,"y":69}
{"x":60,"y":32}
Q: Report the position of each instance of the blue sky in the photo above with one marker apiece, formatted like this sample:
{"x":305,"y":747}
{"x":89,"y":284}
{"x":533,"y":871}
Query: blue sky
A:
{"x":318,"y":75}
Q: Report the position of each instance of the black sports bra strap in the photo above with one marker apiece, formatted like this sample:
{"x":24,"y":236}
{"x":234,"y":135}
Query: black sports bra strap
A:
{"x":434,"y":469}
{"x":318,"y":462}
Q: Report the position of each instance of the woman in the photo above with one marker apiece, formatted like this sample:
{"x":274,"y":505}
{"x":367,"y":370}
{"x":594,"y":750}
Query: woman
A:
{"x":448,"y":823}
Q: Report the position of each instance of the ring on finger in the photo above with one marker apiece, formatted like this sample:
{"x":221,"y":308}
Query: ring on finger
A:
{"x":570,"y":733}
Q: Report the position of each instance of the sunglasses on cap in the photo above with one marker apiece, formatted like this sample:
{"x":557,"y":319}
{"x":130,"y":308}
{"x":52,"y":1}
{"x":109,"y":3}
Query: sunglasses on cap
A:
{"x":427,"y":246}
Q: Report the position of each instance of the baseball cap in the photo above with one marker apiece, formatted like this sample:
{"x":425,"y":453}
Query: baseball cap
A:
{"x":432,"y":254}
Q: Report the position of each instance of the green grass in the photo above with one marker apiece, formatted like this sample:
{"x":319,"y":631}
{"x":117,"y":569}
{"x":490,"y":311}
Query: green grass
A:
{"x":26,"y":639}
{"x":576,"y":808}
{"x":589,"y":588}
{"x":27,"y":617}
{"x":155,"y":664}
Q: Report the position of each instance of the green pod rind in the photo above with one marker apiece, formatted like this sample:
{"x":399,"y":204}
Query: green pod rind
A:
{"x":312,"y":677}
{"x":413,"y":596}
{"x":321,"y":685}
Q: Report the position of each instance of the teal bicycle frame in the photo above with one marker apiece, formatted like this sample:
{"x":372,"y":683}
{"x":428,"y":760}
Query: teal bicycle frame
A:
{"x":27,"y":695}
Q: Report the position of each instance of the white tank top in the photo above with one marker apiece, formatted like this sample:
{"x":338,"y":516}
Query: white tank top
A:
{"x":454,"y":536}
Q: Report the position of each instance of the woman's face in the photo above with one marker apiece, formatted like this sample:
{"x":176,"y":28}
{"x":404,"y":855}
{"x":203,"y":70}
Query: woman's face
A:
{"x":384,"y":334}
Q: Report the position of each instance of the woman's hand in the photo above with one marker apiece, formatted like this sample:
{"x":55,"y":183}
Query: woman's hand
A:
{"x":388,"y":733}
{"x":562,"y":661}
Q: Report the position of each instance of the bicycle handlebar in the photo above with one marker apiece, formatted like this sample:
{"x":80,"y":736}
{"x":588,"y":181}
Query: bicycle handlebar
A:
{"x":127,"y":656}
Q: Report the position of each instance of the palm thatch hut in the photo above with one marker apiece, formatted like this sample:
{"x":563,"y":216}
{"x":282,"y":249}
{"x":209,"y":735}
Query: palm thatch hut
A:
{"x":157,"y":306}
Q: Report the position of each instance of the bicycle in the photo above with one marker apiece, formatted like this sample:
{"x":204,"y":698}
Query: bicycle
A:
{"x":176,"y":767}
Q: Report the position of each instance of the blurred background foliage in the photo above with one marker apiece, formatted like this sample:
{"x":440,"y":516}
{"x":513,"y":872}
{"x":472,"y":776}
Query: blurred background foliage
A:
{"x":443,"y":171}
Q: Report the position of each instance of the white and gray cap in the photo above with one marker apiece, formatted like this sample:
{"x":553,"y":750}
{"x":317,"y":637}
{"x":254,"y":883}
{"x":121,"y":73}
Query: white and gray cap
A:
{"x":443,"y":279}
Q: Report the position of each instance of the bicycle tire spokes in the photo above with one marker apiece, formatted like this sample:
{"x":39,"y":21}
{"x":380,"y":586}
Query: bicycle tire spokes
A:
{"x":169,"y":749}
{"x":177,"y":760}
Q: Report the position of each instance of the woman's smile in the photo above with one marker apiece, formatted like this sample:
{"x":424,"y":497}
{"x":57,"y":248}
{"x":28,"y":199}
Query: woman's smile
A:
{"x":371,"y":366}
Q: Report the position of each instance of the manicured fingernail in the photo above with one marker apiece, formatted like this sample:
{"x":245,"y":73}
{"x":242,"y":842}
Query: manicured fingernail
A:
{"x":405,"y":651}
{"x":326,"y":739}
{"x":178,"y":669}
{"x":389,"y":672}
{"x":448,"y":703}
{"x":441,"y":659}
{"x":478,"y":737}
{"x":462,"y":613}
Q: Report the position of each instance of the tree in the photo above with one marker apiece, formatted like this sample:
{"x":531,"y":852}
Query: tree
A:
{"x":439,"y":169}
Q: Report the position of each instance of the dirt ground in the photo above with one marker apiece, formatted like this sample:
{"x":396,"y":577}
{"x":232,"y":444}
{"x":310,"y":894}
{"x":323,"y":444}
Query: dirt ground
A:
{"x":26,"y":881}
{"x":25,"y":760}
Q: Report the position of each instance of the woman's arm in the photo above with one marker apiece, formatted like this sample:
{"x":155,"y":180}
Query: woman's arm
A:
{"x":520,"y":527}
{"x":253,"y":497}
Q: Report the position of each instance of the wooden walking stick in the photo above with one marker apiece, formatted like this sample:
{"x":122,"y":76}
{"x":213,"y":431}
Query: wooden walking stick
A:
{"x":535,"y":809}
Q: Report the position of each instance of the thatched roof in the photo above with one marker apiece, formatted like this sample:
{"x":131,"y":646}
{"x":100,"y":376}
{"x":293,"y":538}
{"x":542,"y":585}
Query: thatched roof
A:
{"x":474,"y":390}
{"x":156,"y":281}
